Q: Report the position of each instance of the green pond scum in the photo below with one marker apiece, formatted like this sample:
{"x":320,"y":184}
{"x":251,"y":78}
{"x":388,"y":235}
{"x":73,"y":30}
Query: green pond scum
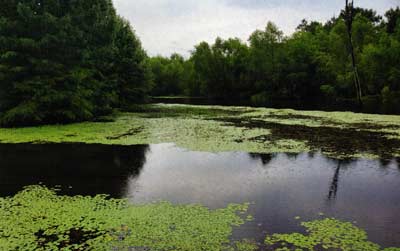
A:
{"x":39,"y":219}
{"x":219,"y":129}
{"x":326,"y":234}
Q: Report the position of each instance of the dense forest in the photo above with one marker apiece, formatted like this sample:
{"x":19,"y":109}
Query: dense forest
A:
{"x":64,"y":61}
{"x":310,"y":69}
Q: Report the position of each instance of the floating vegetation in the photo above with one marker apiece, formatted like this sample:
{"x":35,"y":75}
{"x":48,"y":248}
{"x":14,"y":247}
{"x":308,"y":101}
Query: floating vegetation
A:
{"x":326,"y":234}
{"x":218,"y":129}
{"x":39,"y":219}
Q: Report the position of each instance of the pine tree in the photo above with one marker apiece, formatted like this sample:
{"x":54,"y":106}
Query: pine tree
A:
{"x":65,"y":60}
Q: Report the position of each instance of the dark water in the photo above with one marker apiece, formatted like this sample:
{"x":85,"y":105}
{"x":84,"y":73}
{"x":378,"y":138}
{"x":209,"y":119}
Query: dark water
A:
{"x":280,"y":186}
{"x":201,"y":101}
{"x":279,"y":103}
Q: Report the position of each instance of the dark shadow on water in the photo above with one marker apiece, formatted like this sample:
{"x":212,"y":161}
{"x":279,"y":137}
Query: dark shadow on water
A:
{"x":279,"y":186}
{"x":77,"y":168}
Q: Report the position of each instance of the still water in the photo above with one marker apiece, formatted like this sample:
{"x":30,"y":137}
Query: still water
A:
{"x":279,"y":186}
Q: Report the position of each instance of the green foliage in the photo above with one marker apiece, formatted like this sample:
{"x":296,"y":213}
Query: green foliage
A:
{"x":131,"y":71}
{"x":169,"y":75}
{"x":311,"y":69}
{"x":328,"y":91}
{"x":38,"y":219}
{"x":63,"y":61}
{"x":326,"y":234}
{"x":393,"y":17}
{"x":220,"y":68}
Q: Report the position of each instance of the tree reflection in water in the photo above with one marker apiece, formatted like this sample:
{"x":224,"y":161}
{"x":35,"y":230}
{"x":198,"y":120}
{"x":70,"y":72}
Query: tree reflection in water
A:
{"x":279,"y":186}
{"x":75,"y":168}
{"x":335,"y":181}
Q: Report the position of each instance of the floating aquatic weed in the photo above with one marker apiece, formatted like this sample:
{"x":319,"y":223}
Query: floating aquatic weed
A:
{"x":39,"y":219}
{"x":326,"y":234}
{"x":246,"y":245}
{"x":219,"y":129}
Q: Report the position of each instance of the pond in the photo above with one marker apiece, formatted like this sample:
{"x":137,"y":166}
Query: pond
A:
{"x":280,"y":187}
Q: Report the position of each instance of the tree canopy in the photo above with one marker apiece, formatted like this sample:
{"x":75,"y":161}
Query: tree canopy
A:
{"x":67,"y":60}
{"x":64,"y":61}
{"x":311,"y":68}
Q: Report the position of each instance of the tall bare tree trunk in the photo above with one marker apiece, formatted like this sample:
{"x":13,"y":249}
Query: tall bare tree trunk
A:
{"x":349,"y":16}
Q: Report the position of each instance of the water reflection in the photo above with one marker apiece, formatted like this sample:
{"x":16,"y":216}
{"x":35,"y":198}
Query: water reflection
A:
{"x":77,"y":168}
{"x":280,"y":186}
{"x":335,"y":182}
{"x":265,"y":158}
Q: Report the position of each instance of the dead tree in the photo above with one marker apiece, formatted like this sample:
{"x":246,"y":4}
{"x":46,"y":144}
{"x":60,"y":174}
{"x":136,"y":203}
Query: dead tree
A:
{"x":349,"y":18}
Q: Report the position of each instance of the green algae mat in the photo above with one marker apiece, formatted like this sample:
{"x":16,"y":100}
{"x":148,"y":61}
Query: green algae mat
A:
{"x":39,"y":219}
{"x":219,"y":129}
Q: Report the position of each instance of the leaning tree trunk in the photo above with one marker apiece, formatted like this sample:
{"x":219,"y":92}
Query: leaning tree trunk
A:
{"x":349,"y":15}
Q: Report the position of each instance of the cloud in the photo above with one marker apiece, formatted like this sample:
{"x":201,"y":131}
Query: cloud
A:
{"x":168,"y":26}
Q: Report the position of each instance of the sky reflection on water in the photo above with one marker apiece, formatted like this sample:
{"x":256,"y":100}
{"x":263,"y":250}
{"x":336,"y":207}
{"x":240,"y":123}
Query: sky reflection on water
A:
{"x":279,"y":186}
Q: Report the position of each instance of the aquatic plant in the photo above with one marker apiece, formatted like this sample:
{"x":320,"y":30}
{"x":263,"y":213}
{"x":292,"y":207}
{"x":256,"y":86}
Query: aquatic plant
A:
{"x":219,"y":129}
{"x":326,"y":234}
{"x":39,"y":219}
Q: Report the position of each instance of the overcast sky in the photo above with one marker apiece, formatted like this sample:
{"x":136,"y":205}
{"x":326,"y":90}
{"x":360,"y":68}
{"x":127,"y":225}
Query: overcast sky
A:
{"x":168,"y":26}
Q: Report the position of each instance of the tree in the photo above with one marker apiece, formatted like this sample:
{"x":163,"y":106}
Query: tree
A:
{"x":301,"y":81}
{"x":321,"y":65}
{"x":132,"y":73}
{"x":311,"y":27}
{"x":60,"y":60}
{"x":265,"y":57}
{"x":169,"y":74}
{"x":393,"y":17}
{"x":349,"y":18}
{"x":369,"y":14}
{"x":206,"y":74}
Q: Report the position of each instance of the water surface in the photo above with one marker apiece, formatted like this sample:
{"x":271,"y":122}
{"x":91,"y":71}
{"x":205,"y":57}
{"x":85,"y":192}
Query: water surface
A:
{"x":279,"y":186}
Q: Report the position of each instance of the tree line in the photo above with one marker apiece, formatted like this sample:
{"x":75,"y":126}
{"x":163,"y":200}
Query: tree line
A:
{"x":67,"y":60}
{"x":349,"y":62}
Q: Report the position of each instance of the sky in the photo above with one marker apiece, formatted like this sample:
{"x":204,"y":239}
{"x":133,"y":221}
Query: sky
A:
{"x":169,"y":26}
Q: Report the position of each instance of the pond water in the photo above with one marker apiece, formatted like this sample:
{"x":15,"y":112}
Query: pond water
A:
{"x":278,"y":103}
{"x":279,"y":186}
